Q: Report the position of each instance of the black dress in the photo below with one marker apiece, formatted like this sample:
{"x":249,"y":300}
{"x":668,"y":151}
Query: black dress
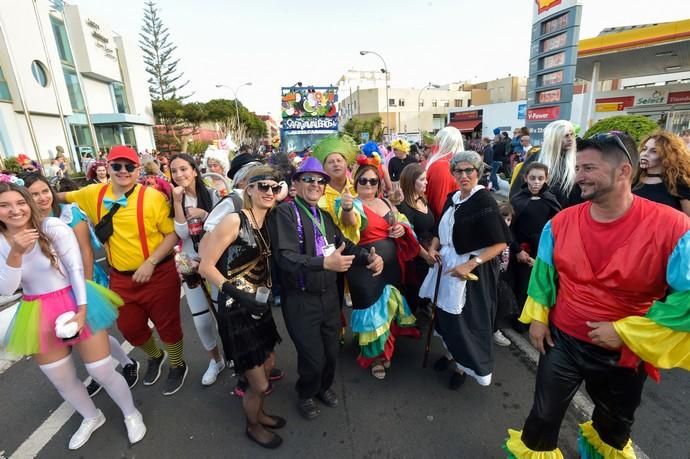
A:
{"x":417,"y":269}
{"x":247,"y":338}
{"x":658,"y":192}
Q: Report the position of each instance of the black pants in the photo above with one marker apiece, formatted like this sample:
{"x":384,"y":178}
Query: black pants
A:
{"x":313,"y":322}
{"x":615,"y":391}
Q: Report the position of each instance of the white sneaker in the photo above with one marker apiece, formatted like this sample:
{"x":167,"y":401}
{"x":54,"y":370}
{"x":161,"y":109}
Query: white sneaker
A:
{"x":500,"y":339}
{"x":136,"y":429}
{"x":87,"y":427}
{"x":214,"y":368}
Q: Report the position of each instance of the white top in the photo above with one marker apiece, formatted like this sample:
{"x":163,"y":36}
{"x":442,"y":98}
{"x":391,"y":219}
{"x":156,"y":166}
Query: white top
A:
{"x":36,"y":275}
{"x":224,"y":208}
{"x":182,"y":229}
{"x":451,"y":291}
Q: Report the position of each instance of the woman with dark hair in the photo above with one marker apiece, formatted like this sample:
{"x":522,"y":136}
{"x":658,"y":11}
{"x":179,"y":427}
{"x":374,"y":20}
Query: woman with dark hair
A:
{"x":236,"y":259}
{"x":415,"y":208}
{"x":192,"y":202}
{"x":97,"y":173}
{"x":664,"y":172}
{"x":42,"y":256}
{"x":380,"y":312}
{"x":47,"y":203}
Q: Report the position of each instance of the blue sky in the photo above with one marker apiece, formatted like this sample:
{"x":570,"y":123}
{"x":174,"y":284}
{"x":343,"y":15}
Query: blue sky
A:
{"x":275,"y":43}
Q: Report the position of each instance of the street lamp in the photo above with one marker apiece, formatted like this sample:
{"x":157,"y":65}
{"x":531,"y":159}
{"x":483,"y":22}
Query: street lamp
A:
{"x":385,"y":71}
{"x":234,"y":93}
{"x":419,"y":112}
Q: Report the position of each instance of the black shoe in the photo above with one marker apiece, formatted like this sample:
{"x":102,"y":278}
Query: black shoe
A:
{"x":153,"y":370}
{"x":278,"y":422}
{"x":93,"y":388}
{"x":307,"y":408}
{"x":131,"y":373}
{"x":328,"y":398}
{"x":441,"y":364}
{"x":176,"y":377}
{"x":275,"y":442}
{"x":276,"y":374}
{"x":457,"y":380}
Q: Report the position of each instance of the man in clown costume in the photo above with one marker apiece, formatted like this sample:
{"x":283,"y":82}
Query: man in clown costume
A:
{"x":609,"y":303}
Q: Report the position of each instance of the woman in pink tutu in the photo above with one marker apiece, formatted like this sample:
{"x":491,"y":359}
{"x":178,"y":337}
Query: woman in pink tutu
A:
{"x":42,"y":256}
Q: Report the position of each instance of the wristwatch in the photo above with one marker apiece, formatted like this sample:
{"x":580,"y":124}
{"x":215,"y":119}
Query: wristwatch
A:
{"x":478,"y":260}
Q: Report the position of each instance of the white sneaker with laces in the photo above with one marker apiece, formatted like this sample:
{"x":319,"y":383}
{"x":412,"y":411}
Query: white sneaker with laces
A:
{"x":87,"y":427}
{"x":211,"y":375}
{"x":500,"y":339}
{"x":136,"y":429}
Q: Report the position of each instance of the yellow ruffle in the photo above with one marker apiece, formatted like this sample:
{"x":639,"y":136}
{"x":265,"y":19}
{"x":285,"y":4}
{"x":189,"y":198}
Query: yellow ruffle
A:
{"x":534,"y":311}
{"x":518,"y":450}
{"x":607,"y":451}
{"x":655,"y":344}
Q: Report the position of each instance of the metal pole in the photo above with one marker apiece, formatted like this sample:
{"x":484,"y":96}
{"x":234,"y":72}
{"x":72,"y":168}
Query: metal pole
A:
{"x":22,"y":100}
{"x":591,"y":97}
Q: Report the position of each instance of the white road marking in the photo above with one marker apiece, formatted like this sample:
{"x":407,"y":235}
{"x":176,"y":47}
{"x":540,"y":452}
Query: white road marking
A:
{"x":580,"y":401}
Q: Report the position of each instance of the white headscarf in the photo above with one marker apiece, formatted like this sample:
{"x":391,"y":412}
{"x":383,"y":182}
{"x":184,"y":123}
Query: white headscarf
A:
{"x":449,"y":141}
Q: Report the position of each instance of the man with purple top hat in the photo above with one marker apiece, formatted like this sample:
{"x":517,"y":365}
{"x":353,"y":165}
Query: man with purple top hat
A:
{"x":310,"y":250}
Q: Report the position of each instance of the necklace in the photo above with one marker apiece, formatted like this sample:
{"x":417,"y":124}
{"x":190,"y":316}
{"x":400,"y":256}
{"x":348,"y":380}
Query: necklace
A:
{"x":653,"y":175}
{"x":266,"y":245}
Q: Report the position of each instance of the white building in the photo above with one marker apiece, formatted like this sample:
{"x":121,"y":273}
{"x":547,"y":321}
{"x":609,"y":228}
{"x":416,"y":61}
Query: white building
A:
{"x":66,"y":79}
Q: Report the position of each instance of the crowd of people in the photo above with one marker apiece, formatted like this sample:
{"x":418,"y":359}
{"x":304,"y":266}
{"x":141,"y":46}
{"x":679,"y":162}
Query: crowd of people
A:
{"x":404,"y":235}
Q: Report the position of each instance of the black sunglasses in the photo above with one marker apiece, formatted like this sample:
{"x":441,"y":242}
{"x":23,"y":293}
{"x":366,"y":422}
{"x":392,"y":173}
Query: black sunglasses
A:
{"x":310,"y":179}
{"x":264,"y":187}
{"x":467,"y":171}
{"x":612,"y":135}
{"x":128,"y":167}
{"x":372,"y":181}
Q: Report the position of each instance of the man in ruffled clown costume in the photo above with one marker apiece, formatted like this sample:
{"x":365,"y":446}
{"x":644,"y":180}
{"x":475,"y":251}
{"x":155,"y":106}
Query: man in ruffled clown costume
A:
{"x":609,"y":303}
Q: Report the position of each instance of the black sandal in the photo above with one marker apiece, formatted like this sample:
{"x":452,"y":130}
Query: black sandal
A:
{"x":275,"y":442}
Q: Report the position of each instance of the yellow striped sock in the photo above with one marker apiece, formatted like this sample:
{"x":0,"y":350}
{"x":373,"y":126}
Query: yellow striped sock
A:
{"x":175,"y":353}
{"x":151,"y":348}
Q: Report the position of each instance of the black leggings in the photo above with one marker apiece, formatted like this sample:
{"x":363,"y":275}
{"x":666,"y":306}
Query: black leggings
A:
{"x":615,"y":391}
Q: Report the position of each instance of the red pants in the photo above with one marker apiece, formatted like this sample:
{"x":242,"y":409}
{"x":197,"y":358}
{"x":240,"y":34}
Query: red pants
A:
{"x":158,"y":300}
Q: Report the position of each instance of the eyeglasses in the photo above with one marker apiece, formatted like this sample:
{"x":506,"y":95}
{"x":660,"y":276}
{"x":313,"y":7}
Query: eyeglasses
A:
{"x":612,"y":135}
{"x":467,"y":171}
{"x":310,"y":179}
{"x":117,"y":167}
{"x":372,"y":181}
{"x":29,"y":169}
{"x":265,"y":187}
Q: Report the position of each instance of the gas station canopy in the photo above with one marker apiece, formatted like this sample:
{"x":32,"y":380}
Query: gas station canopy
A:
{"x":636,"y":51}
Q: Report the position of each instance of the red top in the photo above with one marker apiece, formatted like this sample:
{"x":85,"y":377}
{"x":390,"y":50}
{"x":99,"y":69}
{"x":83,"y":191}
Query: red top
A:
{"x":440,"y":184}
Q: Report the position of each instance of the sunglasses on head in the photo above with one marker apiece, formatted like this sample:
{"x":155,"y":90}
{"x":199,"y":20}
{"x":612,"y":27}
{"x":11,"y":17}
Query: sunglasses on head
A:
{"x":117,"y":167}
{"x":612,"y":136}
{"x":371,"y":181}
{"x":467,"y":171}
{"x":265,"y":187}
{"x":310,"y":179}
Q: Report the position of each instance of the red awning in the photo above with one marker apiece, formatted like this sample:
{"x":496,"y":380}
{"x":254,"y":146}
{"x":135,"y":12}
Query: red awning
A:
{"x":466,"y":125}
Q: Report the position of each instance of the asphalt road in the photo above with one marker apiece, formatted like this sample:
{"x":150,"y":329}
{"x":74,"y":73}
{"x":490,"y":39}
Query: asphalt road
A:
{"x":411,"y":414}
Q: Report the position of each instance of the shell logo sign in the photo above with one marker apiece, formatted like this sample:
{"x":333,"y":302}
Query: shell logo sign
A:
{"x":546,"y":5}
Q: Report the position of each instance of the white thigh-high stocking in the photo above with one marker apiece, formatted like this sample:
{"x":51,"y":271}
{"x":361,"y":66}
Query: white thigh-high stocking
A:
{"x":117,"y":352}
{"x":64,"y":377}
{"x":113,"y":383}
{"x":203,"y":322}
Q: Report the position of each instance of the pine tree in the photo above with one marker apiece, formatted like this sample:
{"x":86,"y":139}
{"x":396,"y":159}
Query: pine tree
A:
{"x":158,"y":49}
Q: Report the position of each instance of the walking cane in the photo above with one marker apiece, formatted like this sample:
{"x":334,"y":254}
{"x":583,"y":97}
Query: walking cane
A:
{"x":433,"y":315}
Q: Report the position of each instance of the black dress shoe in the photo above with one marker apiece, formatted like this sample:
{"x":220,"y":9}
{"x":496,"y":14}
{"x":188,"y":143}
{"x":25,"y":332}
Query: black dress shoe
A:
{"x":307,"y":408}
{"x":457,"y":380}
{"x":328,"y":398}
{"x":441,"y":364}
{"x":275,"y":442}
{"x":278,"y":422}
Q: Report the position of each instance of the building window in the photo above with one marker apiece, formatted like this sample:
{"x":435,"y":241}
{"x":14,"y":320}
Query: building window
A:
{"x":445,"y":103}
{"x":401,"y":102}
{"x":457,"y":103}
{"x":39,"y":72}
{"x":421,"y":103}
{"x":4,"y":89}
{"x":434,"y":103}
{"x":73,"y":89}
{"x":60,"y":34}
{"x":120,"y":98}
{"x":391,"y":102}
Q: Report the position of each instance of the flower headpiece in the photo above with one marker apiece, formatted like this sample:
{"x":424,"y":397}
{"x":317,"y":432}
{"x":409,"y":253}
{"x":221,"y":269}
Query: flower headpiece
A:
{"x":370,"y":156}
{"x":11,"y":179}
{"x":23,"y":159}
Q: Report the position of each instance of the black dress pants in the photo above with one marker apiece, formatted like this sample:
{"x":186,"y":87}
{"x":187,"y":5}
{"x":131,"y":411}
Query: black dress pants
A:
{"x":615,"y":391}
{"x":313,"y":322}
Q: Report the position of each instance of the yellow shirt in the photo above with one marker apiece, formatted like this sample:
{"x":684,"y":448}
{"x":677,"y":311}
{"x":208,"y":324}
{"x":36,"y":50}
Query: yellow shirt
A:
{"x":124,"y":249}
{"x":327,"y":203}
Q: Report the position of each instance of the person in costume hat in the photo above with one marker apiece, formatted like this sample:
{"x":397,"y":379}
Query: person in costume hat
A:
{"x":42,"y":256}
{"x":309,"y":250}
{"x":217,"y":162}
{"x":401,"y":158}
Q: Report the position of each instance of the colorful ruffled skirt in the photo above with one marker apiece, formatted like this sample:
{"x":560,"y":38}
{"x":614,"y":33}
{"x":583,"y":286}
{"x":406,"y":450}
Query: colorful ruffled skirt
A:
{"x":32,"y":329}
